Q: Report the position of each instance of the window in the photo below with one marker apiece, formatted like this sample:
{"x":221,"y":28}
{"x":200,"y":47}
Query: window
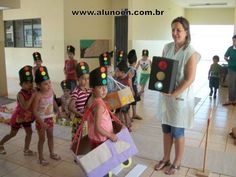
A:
{"x":210,"y":40}
{"x":9,"y":34}
{"x":23,"y":33}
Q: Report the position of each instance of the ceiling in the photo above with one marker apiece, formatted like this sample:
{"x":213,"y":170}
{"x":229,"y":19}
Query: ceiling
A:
{"x":205,"y":3}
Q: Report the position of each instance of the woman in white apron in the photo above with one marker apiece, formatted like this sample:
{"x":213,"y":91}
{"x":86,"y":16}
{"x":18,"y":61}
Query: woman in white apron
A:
{"x":177,"y":109}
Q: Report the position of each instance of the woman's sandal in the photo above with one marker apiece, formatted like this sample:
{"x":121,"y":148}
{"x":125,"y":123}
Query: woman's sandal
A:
{"x":161,"y":165}
{"x":2,"y":150}
{"x":172,"y":170}
{"x":43,"y":162}
{"x":55,"y":157}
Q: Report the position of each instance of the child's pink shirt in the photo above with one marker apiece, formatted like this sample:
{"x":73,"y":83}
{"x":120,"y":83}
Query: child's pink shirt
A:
{"x":105,"y":122}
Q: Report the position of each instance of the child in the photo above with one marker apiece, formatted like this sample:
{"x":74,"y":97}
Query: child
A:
{"x":37,"y":61}
{"x":69,"y":68}
{"x":22,"y":115}
{"x":99,"y":121}
{"x":145,"y":65}
{"x":105,"y":60}
{"x":121,"y":56}
{"x":132,"y":59}
{"x":43,"y":111}
{"x":79,"y":95}
{"x":65,"y":99}
{"x":214,"y":76}
{"x":124,"y":77}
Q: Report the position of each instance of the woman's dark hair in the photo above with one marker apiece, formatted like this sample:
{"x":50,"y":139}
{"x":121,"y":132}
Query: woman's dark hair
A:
{"x":184,"y":22}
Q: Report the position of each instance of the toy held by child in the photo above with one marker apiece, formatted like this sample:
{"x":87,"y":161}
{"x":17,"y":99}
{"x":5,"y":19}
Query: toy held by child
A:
{"x":43,"y":107}
{"x":22,"y":115}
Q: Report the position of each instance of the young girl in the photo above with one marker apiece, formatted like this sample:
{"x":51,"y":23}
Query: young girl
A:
{"x":132,"y":60}
{"x":99,"y":121}
{"x":124,"y":77}
{"x":79,"y":95}
{"x":145,"y":65}
{"x":43,"y":111}
{"x":22,"y":115}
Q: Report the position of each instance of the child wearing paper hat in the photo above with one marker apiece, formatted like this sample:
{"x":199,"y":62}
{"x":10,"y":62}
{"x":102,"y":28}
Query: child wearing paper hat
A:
{"x":43,"y":109}
{"x":79,"y":95}
{"x":22,"y":115}
{"x":69,"y":67}
{"x":99,"y":120}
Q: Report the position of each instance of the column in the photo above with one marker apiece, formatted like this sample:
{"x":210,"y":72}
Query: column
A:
{"x":3,"y":76}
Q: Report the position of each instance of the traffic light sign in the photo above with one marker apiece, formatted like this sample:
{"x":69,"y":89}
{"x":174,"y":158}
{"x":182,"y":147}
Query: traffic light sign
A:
{"x":163,"y":74}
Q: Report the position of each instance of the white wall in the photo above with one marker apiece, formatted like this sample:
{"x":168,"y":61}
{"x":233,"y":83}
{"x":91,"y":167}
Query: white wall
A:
{"x":152,"y":32}
{"x":52,"y":20}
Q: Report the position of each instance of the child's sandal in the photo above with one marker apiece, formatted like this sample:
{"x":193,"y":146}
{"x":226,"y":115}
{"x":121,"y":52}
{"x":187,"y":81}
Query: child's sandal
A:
{"x":43,"y":162}
{"x":28,"y":152}
{"x":172,"y":170}
{"x":55,"y":157}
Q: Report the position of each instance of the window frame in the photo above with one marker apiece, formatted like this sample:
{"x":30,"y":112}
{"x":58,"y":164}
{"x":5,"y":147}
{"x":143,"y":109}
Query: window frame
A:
{"x":29,"y":26}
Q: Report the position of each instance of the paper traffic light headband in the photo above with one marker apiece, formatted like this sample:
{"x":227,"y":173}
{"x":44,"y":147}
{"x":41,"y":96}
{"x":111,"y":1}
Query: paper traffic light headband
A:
{"x":43,"y":73}
{"x":98,"y":77}
{"x":25,"y":74}
{"x":103,"y":75}
{"x":82,"y":67}
{"x":105,"y":58}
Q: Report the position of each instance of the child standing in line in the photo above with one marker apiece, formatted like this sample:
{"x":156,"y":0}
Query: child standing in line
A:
{"x":37,"y":61}
{"x":214,"y":76}
{"x":100,"y":126}
{"x":123,"y":76}
{"x":43,"y":112}
{"x":79,"y":95}
{"x":22,"y":115}
{"x":105,"y":60}
{"x":145,"y":65}
{"x":132,"y":60}
{"x":69,"y":68}
{"x":65,"y":98}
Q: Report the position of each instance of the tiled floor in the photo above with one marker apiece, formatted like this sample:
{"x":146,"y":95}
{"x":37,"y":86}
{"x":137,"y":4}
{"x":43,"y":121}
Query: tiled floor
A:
{"x":15,"y":164}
